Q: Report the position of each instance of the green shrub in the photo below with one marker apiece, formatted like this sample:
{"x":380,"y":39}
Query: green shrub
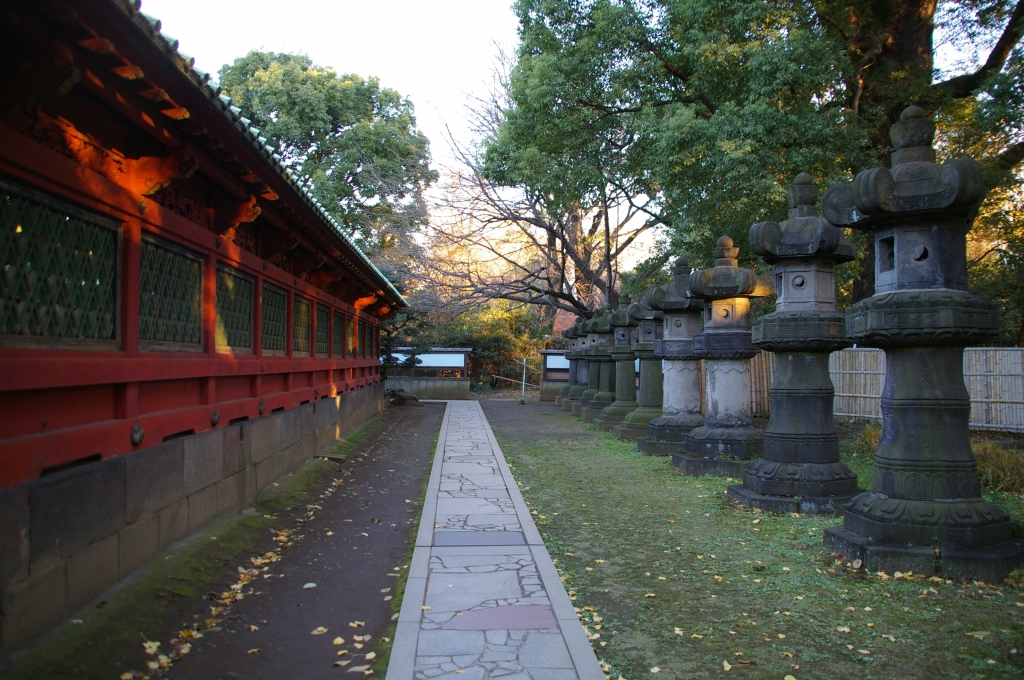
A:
{"x":999,"y":468}
{"x":867,"y":441}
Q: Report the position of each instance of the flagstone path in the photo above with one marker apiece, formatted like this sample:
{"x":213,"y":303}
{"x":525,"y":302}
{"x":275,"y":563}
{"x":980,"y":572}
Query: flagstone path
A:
{"x":483,"y":598}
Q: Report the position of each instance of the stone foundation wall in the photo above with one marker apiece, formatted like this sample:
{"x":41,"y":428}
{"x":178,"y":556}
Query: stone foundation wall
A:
{"x":549,"y":389}
{"x":431,"y":388}
{"x":67,"y":537}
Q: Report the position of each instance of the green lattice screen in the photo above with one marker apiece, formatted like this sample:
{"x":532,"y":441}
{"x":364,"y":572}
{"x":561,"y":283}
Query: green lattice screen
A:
{"x":274,"y":312}
{"x":362,"y":339}
{"x":300,"y":325}
{"x":323,"y":335}
{"x":339,"y":335}
{"x":57,"y":271}
{"x":350,"y":334}
{"x":170,"y":295}
{"x":234,"y":309}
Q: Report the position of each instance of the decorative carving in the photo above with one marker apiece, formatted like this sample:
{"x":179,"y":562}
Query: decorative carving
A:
{"x":262,"y":407}
{"x":145,"y":176}
{"x":138,"y":434}
{"x":229,"y":217}
{"x":214,"y":417}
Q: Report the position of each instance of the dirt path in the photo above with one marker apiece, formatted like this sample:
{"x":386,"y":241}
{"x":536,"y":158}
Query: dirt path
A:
{"x":371,"y":522}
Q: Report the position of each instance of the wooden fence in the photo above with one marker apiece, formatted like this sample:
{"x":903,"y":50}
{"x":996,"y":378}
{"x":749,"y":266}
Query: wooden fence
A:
{"x":994,"y":378}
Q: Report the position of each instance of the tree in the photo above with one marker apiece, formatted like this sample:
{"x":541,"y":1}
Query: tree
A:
{"x":720,"y":103}
{"x":353,"y":142}
{"x":541,"y":212}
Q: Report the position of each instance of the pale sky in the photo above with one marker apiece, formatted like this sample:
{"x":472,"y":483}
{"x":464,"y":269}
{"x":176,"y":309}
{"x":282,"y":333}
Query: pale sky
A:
{"x":432,"y":51}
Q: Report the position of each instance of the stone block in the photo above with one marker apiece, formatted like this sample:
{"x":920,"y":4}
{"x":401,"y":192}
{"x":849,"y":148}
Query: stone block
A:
{"x":264,"y":473}
{"x":279,"y":463}
{"x":719,"y":467}
{"x":248,"y":486}
{"x":173,"y":523}
{"x":321,"y":415}
{"x":154,"y":478}
{"x":14,"y":532}
{"x":309,"y":447}
{"x":204,"y":460}
{"x":266,"y":437}
{"x":237,"y":448}
{"x":292,"y":457}
{"x":139,"y":543}
{"x":230,"y":492}
{"x":93,"y":570}
{"x":32,"y":607}
{"x":74,"y":509}
{"x":291,"y":427}
{"x":307,"y":413}
{"x":202,"y":507}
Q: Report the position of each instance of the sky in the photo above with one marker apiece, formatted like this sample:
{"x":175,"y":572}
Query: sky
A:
{"x":433,"y":51}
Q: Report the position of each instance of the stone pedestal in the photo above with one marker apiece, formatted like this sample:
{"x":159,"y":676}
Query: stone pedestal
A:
{"x":622,"y":355}
{"x":800,"y":470}
{"x":579,"y":335}
{"x":924,"y":511}
{"x":727,"y":441}
{"x":606,"y":384}
{"x":574,"y":365}
{"x":647,"y":331}
{"x":598,"y":339}
{"x":681,"y":386}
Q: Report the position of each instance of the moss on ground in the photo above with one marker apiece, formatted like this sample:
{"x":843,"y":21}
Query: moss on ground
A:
{"x":683,"y":581}
{"x":140,"y":607}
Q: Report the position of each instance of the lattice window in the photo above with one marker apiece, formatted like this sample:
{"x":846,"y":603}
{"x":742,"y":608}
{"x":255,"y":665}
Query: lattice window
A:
{"x":350,"y":328}
{"x":361,"y":351}
{"x":275,"y":303}
{"x":339,"y":335}
{"x":170,"y":297}
{"x":234,"y":310}
{"x":58,"y":269}
{"x":376,"y":342}
{"x":323,"y":335}
{"x":300,"y":326}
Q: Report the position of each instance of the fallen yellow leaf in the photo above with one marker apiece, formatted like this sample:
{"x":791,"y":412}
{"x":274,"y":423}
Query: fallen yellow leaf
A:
{"x":254,"y":651}
{"x":726,"y":665}
{"x":339,"y":640}
{"x":371,"y":655}
{"x":319,"y":630}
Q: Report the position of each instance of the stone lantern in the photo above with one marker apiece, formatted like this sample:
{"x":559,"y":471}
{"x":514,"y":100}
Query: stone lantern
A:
{"x":624,"y":358}
{"x":570,"y":354}
{"x":680,"y":405}
{"x":590,"y":380}
{"x":727,"y":441}
{"x":924,"y":512}
{"x":582,"y":376}
{"x":647,"y":331}
{"x":598,"y":339}
{"x":800,"y":469}
{"x":601,"y":360}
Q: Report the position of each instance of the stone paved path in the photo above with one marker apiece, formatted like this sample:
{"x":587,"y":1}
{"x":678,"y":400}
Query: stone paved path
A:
{"x":483,"y":598}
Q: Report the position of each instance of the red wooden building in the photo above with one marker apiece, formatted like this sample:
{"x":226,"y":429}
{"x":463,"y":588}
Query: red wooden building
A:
{"x":180,"y":322}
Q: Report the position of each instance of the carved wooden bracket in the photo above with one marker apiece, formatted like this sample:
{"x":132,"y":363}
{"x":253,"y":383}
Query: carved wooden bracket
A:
{"x":229,"y":217}
{"x":364,"y":302}
{"x":305,"y":263}
{"x":271,"y":244}
{"x":150,"y":174}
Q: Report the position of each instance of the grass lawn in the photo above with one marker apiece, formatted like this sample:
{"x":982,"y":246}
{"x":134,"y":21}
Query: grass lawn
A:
{"x":669,"y":575}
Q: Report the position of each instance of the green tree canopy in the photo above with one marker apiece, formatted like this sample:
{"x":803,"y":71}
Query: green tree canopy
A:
{"x":712,"y":107}
{"x":355,"y":142}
